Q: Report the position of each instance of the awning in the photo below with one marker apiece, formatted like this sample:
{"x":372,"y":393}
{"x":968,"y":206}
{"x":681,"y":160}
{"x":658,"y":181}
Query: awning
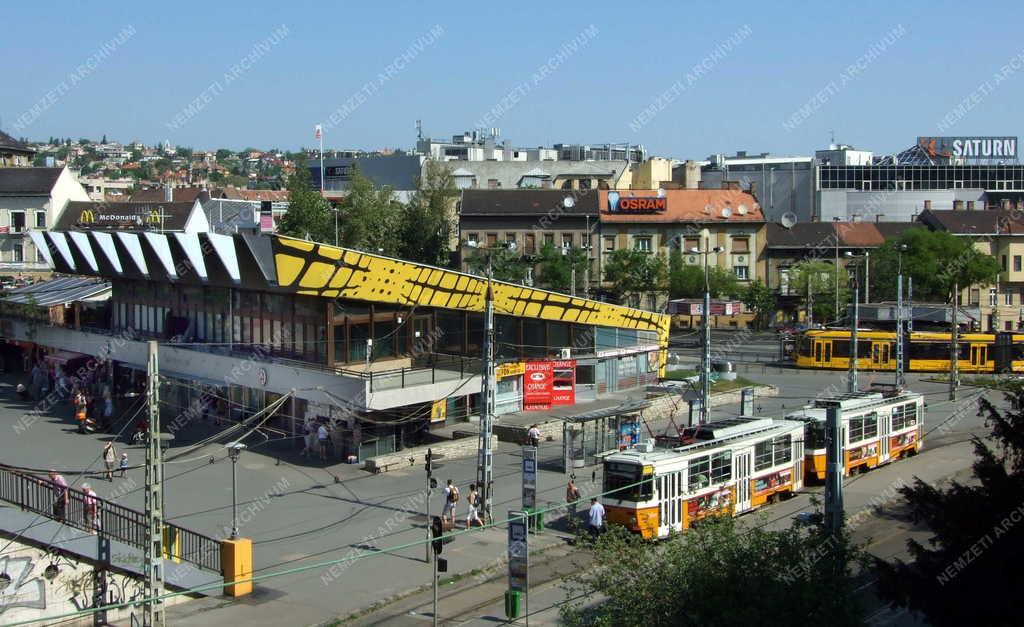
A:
{"x":61,"y":358}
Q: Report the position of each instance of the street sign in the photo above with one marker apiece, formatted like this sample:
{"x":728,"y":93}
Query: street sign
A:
{"x":529,"y":476}
{"x":518,"y":552}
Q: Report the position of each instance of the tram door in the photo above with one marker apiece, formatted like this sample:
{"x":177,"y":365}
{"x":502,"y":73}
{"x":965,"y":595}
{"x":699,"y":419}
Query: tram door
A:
{"x":884,"y":423}
{"x":880,"y":355}
{"x":822,"y":352}
{"x":742,"y":465}
{"x":979,"y":356}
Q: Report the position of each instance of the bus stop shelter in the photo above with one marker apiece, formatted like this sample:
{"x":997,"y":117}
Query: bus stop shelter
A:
{"x":589,"y":436}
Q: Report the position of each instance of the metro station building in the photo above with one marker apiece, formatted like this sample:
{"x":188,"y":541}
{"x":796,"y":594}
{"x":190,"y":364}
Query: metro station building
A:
{"x":382,"y":348}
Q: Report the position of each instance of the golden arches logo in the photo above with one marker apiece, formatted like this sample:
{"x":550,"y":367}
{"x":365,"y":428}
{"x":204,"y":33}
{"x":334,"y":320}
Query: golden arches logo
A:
{"x":88,"y":217}
{"x":153,"y":217}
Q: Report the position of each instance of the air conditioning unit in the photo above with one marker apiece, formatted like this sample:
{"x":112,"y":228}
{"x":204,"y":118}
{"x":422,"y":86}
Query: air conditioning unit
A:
{"x":565,"y":353}
{"x":691,"y":259}
{"x":741,"y":259}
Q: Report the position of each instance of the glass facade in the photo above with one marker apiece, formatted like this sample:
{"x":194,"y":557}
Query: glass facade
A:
{"x":921,"y":177}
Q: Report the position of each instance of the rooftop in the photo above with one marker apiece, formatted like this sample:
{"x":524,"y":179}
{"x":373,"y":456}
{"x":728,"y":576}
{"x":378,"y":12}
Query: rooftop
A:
{"x":529,"y":202}
{"x":9,"y":143}
{"x":683,"y":205}
{"x":990,"y":221}
{"x":28,"y":181}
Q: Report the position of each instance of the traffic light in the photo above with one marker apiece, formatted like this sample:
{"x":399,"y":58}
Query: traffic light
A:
{"x":429,"y":464}
{"x":436,"y":530}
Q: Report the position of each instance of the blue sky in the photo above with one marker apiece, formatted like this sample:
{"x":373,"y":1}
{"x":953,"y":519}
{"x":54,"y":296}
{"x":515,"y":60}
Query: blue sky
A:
{"x":181,"y":74}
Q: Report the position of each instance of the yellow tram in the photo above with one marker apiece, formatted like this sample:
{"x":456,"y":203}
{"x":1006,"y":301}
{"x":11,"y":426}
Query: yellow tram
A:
{"x":733,"y":466}
{"x":875,"y":429}
{"x":927,"y":351}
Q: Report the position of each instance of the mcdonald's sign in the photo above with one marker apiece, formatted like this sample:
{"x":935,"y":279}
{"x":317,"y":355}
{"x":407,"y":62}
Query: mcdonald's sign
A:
{"x":88,"y":217}
{"x":153,"y":217}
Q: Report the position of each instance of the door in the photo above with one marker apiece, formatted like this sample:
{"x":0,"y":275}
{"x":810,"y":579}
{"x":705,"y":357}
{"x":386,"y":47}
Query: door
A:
{"x":421,"y":334}
{"x":979,"y":356}
{"x":880,"y":354}
{"x":884,"y":424}
{"x":742,"y":465}
{"x":822,"y":352}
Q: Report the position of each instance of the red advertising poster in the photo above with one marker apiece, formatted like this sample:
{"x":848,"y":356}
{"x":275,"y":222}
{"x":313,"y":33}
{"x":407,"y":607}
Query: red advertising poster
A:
{"x":537,"y":385}
{"x":563,"y":382}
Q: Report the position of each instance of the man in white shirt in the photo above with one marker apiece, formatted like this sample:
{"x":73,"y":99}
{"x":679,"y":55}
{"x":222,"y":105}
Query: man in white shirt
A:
{"x":596,"y":522}
{"x":322,"y":437}
{"x":533,"y":436}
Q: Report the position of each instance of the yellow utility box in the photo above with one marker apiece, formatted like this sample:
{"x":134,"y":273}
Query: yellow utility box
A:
{"x":236,"y":562}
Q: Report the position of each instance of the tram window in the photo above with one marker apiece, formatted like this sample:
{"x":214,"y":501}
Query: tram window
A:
{"x":721,"y":467}
{"x":805,"y":346}
{"x":840,"y":348}
{"x":864,"y":427}
{"x":1018,"y":351}
{"x":904,"y":416}
{"x":814,"y":433}
{"x":699,"y":472}
{"x":622,"y":481}
{"x":929,"y":350}
{"x":782,"y":449}
{"x":763,"y":455}
{"x":856,"y":429}
{"x":871,"y":425}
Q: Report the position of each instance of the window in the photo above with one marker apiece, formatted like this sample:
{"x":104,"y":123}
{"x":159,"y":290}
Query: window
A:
{"x":699,"y":473}
{"x":721,"y":467}
{"x":17,"y":252}
{"x":643,"y":244}
{"x":17,"y":221}
{"x":904,"y":416}
{"x":864,"y":427}
{"x":1004,"y":266}
{"x":1008,"y":326}
{"x":993,"y":297}
{"x":741,"y":245}
{"x":975,"y":296}
{"x":742,"y":272}
{"x":530,"y":243}
{"x":690,"y":243}
{"x":40,"y":219}
{"x":473,"y":238}
{"x":549,"y":238}
{"x":584,"y":183}
{"x":773,"y":452}
{"x":625,"y":480}
{"x":609,"y":244}
{"x":510,"y":238}
{"x":492,"y":240}
{"x":493,"y":184}
{"x":566,"y":240}
{"x":1008,"y":298}
{"x":1016,"y":263}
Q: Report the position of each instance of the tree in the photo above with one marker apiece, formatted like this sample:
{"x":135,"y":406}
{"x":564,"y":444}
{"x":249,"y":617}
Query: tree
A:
{"x":427,"y":221}
{"x":934,"y":259}
{"x":370,"y":217}
{"x":968,"y":573}
{"x":556,"y":265}
{"x":104,"y":140}
{"x":224,"y":153}
{"x":633,"y":273}
{"x":821,"y":277}
{"x":719,"y":573}
{"x":684,"y":280}
{"x":761,"y":301}
{"x":309,"y":214}
{"x":506,"y":265}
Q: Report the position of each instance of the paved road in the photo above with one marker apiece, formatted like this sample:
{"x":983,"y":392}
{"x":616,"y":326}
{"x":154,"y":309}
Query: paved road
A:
{"x":300,"y":513}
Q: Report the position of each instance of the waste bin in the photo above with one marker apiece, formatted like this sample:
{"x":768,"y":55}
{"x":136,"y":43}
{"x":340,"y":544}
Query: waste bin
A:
{"x":513,"y":603}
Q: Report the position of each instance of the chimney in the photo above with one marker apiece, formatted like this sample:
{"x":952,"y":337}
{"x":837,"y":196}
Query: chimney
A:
{"x":691,"y":175}
{"x":970,"y":205}
{"x":927,"y":205}
{"x":168,"y":193}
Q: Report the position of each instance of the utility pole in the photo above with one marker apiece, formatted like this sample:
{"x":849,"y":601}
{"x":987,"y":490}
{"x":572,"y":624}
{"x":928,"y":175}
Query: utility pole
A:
{"x":867,"y":277}
{"x":899,"y":316}
{"x":834,"y":472}
{"x":910,"y":304}
{"x":572,"y":279}
{"x":705,"y":369}
{"x":810,"y":303}
{"x":835,"y":233}
{"x":954,"y":370}
{"x":430,"y":482}
{"x":484,"y":471}
{"x":154,"y":551}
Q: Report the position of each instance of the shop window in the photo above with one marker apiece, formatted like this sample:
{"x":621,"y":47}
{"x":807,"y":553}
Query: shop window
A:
{"x":558,"y":335}
{"x":585,"y":375}
{"x":358,"y":334}
{"x":451,"y":328}
{"x":384,"y":339}
{"x":534,"y":338}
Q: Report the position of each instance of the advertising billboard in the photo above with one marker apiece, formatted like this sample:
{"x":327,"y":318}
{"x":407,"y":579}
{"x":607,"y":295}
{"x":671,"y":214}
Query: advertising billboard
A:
{"x":618,"y":203}
{"x":537,"y":382}
{"x":563,"y":382}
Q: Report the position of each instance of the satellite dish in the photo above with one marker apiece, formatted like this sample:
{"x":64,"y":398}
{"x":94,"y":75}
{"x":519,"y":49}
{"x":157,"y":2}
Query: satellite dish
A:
{"x":742,"y":210}
{"x":708,"y":208}
{"x":788,"y":219}
{"x":726,"y":213}
{"x":568,"y":202}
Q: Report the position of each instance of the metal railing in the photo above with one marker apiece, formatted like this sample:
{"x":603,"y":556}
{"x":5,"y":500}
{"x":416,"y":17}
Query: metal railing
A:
{"x":114,"y":521}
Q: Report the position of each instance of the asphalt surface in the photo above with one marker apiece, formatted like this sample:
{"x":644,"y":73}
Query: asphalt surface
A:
{"x":301,"y":513}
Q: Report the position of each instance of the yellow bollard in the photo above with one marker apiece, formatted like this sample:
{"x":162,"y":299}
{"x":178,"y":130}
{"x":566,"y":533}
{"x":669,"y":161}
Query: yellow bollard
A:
{"x":236,"y":562}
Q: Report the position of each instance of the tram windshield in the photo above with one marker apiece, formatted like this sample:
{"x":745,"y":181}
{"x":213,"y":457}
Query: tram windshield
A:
{"x":623,"y":481}
{"x":815,"y":435}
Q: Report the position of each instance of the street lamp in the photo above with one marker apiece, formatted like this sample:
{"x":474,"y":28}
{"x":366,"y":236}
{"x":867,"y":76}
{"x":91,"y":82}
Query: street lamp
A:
{"x":835,"y":233}
{"x":705,"y":366}
{"x":234,"y":450}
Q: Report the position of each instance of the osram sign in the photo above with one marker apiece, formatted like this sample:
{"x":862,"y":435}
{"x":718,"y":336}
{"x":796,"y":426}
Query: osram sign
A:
{"x":636,"y":204}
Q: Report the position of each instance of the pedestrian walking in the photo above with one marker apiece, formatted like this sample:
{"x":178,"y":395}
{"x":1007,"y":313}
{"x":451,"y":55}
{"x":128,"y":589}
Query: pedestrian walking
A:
{"x":308,"y":439}
{"x":59,"y":485}
{"x":533,"y":436}
{"x":109,"y":458}
{"x":323,"y":437}
{"x":124,"y":464}
{"x":596,"y":523}
{"x":451,"y":497}
{"x":473,"y":500}
{"x":91,"y":508}
{"x":572,"y":499}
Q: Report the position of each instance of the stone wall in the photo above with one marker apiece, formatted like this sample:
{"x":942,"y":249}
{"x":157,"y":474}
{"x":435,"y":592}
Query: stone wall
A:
{"x":32,"y":596}
{"x":453,"y":449}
